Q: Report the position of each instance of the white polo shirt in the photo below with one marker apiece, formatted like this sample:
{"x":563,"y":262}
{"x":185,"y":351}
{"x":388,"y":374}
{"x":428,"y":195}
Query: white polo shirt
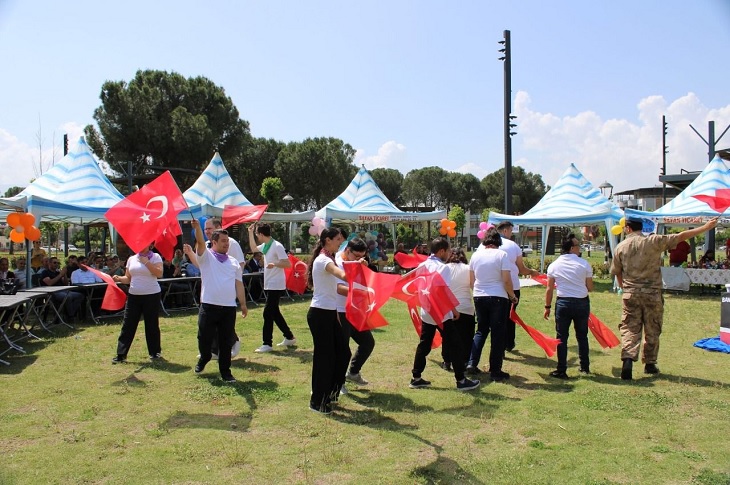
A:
{"x":570,"y":273}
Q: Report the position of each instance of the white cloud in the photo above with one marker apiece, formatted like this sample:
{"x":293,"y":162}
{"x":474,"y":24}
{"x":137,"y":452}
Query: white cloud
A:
{"x":626,"y":153}
{"x":477,"y":170}
{"x":391,"y":154}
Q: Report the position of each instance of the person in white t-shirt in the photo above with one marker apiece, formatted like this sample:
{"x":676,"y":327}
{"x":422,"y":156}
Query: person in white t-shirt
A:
{"x":574,"y":279}
{"x":143,"y":300}
{"x":234,"y":248}
{"x":461,"y":287}
{"x":221,"y":283}
{"x":275,"y":262}
{"x":329,"y":361}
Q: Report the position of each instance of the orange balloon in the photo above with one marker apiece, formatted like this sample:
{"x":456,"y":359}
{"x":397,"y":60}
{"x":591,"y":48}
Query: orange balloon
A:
{"x":452,"y":224}
{"x":33,"y":233}
{"x":443,"y":222}
{"x":27,"y":219}
{"x":452,"y":233}
{"x":16,"y":237}
{"x":13,"y":219}
{"x":20,"y":229}
{"x":443,"y":230}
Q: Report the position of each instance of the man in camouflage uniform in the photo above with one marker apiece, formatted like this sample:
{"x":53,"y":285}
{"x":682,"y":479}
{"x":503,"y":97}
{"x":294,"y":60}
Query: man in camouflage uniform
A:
{"x":636,"y":267}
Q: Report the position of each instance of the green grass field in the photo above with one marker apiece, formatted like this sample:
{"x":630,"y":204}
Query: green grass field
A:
{"x":68,"y":416}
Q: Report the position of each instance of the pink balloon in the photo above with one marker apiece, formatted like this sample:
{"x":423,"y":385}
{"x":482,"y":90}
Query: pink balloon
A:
{"x":317,"y":221}
{"x":481,"y":233}
{"x":313,"y":231}
{"x":483,"y":226}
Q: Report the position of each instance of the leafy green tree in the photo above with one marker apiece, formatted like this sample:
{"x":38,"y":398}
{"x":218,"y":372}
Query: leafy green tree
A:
{"x":527,"y":189}
{"x":467,"y":191}
{"x":164,"y":119}
{"x":13,"y":191}
{"x":424,"y":187}
{"x":458,"y":215}
{"x":271,"y":190}
{"x":254,"y":164}
{"x":485,"y":213}
{"x":390,"y":182}
{"x":316,"y":170}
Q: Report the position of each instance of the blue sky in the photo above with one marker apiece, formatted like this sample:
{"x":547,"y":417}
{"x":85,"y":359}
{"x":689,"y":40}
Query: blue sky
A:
{"x":408,"y":84}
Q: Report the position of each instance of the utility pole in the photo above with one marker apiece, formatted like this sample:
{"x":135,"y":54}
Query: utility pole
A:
{"x":65,"y":225}
{"x":506,"y":51}
{"x":665,"y":149}
{"x":711,"y":145}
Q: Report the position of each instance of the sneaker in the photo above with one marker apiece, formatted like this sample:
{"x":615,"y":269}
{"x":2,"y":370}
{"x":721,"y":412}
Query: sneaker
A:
{"x":264,"y":349}
{"x":229,"y":379}
{"x":156,"y":356}
{"x":499,"y":376}
{"x":287,"y":343}
{"x":584,"y":370}
{"x":467,"y":385}
{"x":626,"y":369}
{"x":356,"y":378}
{"x":446,"y":366}
{"x":651,"y":369}
{"x":199,"y":367}
{"x":559,"y":374}
{"x":324,"y":409}
{"x":417,"y":383}
{"x":344,"y":391}
{"x":119,"y":359}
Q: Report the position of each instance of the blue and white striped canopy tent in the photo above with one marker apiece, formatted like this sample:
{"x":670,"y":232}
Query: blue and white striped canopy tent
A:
{"x":215,"y":189}
{"x":364,"y":202}
{"x":685,"y":210}
{"x":572,"y":201}
{"x":74,"y":190}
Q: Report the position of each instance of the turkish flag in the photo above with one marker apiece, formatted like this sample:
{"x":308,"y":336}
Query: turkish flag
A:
{"x":296,"y":275}
{"x":548,"y":344}
{"x":409,"y":261}
{"x":718,"y":202}
{"x":167,"y":240}
{"x":114,"y":297}
{"x":367,"y":292}
{"x":541,"y":278}
{"x":605,"y":337}
{"x":238,"y":214}
{"x":418,"y":325}
{"x":429,"y":291}
{"x":143,"y":215}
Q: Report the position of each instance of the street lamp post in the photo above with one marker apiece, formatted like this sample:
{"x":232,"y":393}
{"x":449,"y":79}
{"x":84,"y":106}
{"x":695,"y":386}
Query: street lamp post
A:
{"x":287,"y":207}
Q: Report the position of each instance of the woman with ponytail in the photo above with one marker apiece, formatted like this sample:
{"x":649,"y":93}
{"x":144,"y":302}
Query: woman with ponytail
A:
{"x":328,"y":371}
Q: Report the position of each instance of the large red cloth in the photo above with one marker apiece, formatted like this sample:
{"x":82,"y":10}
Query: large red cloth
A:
{"x":238,"y":214}
{"x":428,"y":290}
{"x":167,"y":240}
{"x":605,"y":337}
{"x":718,"y":202}
{"x":296,"y":275}
{"x":114,"y":297}
{"x":409,"y":261}
{"x":548,"y":344}
{"x":143,"y":215}
{"x":418,"y":325}
{"x":367,"y":292}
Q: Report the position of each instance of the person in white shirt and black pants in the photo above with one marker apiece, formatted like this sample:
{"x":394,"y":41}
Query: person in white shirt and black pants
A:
{"x":574,"y":278}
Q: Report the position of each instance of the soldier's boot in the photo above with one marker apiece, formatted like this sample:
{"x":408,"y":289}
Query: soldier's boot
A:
{"x":626,"y":369}
{"x":651,"y":369}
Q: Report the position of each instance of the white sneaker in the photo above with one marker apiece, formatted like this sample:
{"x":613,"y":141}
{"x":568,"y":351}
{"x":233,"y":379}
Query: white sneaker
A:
{"x":287,"y":342}
{"x":356,"y":378}
{"x":264,"y":348}
{"x":343,"y":390}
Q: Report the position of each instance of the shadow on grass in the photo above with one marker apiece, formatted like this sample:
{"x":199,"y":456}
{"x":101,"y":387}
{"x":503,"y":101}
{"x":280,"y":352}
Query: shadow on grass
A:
{"x":443,"y":470}
{"x":304,"y":356}
{"x":223,"y":422}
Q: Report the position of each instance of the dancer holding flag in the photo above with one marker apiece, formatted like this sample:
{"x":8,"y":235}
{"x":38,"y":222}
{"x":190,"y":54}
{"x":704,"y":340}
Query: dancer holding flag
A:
{"x":440,"y":253}
{"x":574,"y":278}
{"x":275,"y":261}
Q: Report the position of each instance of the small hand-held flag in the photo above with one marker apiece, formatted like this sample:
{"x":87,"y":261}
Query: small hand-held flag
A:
{"x":296,"y":275}
{"x":143,"y":215}
{"x":718,"y":202}
{"x":238,"y":214}
{"x":367,"y":292}
{"x":167,"y":240}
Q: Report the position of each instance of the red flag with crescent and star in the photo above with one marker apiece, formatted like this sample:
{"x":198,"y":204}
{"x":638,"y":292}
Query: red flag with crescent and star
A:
{"x":296,"y":275}
{"x":114,"y":297}
{"x":143,"y":215}
{"x":418,"y":325}
{"x":367,"y":292}
{"x":167,"y":240}
{"x":409,"y":261}
{"x":238,"y":214}
{"x":548,"y":344}
{"x":428,"y":290}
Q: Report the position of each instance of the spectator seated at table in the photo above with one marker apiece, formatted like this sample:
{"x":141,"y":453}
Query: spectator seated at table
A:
{"x":178,"y":291}
{"x":20,"y":268}
{"x":708,"y":260}
{"x":53,"y":277}
{"x":82,"y":276}
{"x":72,"y":264}
{"x":255,"y":264}
{"x":678,"y":255}
{"x":187,"y":268}
{"x":7,"y":278}
{"x":114,"y":266}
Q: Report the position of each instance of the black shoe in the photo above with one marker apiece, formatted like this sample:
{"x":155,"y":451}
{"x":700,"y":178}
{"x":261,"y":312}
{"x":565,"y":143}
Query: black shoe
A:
{"x":651,"y":369}
{"x":472,"y":370}
{"x":417,"y":383}
{"x":585,"y":370}
{"x":323,"y":409}
{"x":199,"y":367}
{"x":156,"y":356}
{"x":626,"y":369}
{"x":559,"y":374}
{"x":499,"y":376}
{"x":467,"y":385}
{"x":229,"y":379}
{"x":119,"y":359}
{"x":446,"y":366}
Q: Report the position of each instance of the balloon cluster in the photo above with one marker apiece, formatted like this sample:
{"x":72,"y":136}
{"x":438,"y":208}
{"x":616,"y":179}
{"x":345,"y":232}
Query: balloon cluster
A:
{"x":317,"y":227}
{"x":447,"y":228}
{"x":619,"y":228}
{"x":23,"y":227}
{"x":483,"y":228}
